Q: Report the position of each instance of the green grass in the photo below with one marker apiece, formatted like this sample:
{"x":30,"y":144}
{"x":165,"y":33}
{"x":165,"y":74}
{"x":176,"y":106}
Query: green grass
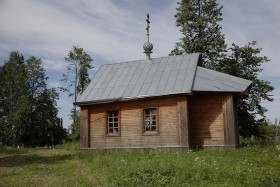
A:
{"x":251,"y":166}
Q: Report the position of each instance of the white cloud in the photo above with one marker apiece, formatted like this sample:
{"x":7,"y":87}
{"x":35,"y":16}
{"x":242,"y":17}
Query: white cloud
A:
{"x":254,"y":20}
{"x":257,"y":20}
{"x":51,"y":65}
{"x":113,"y":31}
{"x":116,"y":33}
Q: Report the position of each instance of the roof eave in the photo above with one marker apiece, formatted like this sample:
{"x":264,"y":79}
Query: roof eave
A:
{"x":105,"y":101}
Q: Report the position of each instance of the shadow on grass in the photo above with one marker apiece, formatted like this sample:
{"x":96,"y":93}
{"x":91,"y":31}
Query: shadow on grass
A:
{"x":22,"y":160}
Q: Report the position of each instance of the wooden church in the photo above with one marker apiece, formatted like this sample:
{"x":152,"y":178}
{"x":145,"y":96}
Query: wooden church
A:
{"x":162,"y":103}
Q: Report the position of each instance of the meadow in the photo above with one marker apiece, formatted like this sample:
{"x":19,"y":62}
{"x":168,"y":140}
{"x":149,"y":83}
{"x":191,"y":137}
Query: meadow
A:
{"x":67,"y":166}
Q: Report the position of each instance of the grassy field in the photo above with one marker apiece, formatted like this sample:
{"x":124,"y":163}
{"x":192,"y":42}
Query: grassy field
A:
{"x":68,"y":166}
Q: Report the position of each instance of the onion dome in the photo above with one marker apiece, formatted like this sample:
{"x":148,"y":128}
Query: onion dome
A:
{"x":148,"y":47}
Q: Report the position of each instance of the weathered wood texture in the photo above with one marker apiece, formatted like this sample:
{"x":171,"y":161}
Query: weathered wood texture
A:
{"x":206,"y":120}
{"x":202,"y":119}
{"x":84,"y":128}
{"x":230,"y":129}
{"x":183,"y":120}
{"x":131,"y":117}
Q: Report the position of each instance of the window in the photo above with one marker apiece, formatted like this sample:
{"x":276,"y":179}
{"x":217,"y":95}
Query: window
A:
{"x":113,"y":123}
{"x":150,"y":120}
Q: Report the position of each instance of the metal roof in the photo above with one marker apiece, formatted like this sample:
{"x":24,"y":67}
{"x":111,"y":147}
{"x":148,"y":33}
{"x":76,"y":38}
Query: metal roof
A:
{"x":213,"y":81}
{"x":157,"y":77}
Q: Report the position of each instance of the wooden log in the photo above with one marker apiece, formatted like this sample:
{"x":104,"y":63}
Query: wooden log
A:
{"x":132,"y":124}
{"x":84,"y":128}
{"x":206,"y":120}
{"x":183,"y":117}
{"x":230,"y":128}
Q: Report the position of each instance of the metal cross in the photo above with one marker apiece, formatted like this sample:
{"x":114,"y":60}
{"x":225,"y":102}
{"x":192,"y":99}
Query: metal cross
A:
{"x":148,"y":25}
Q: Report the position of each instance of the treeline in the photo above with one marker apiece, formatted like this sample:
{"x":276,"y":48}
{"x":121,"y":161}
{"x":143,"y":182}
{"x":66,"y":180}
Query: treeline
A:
{"x":28,"y":108}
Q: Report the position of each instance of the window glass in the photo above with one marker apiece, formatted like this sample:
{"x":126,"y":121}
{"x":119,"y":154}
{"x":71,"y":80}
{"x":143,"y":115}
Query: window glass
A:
{"x":113,"y":122}
{"x":150,"y":120}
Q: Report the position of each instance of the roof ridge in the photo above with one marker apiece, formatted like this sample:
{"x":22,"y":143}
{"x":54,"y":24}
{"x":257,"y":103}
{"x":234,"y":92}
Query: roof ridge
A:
{"x":152,"y":59}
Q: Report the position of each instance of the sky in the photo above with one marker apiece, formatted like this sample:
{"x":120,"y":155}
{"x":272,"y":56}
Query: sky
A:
{"x":112,"y":31}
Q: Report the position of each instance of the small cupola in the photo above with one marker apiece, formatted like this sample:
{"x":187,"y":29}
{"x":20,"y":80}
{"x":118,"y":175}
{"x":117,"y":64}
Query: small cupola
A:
{"x":148,"y":47}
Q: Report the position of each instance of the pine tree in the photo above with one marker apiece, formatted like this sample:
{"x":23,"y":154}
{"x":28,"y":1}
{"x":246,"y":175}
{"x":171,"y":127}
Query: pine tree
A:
{"x":13,"y":99}
{"x":28,"y":109}
{"x":198,"y":21}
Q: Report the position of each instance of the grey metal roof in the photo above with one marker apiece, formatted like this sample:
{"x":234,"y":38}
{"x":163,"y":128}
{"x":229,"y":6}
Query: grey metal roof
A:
{"x":137,"y":79}
{"x":157,"y":77}
{"x":213,"y":81}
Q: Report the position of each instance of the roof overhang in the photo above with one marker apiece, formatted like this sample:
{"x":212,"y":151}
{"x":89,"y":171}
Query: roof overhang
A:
{"x":106,"y":101}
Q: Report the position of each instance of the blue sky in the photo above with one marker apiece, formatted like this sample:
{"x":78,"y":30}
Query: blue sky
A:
{"x":114,"y":31}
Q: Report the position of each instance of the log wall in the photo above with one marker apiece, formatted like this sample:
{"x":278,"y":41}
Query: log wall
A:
{"x":131,"y":126}
{"x":84,"y":128}
{"x":183,"y":121}
{"x":206,"y":120}
{"x":229,"y":110}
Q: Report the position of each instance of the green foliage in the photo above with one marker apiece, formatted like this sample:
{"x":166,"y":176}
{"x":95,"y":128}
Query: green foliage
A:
{"x":252,"y":166}
{"x":75,"y":125}
{"x":268,"y":134}
{"x":77,"y":79}
{"x":256,"y":142}
{"x":28,"y":110}
{"x":72,"y":146}
{"x":245,"y":62}
{"x":198,"y":21}
{"x":12,"y":151}
{"x":13,"y":97}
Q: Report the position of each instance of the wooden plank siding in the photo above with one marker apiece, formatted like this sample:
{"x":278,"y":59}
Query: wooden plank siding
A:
{"x":206,"y":120}
{"x":183,"y":119}
{"x":229,"y":112}
{"x":84,"y":128}
{"x":131,"y":124}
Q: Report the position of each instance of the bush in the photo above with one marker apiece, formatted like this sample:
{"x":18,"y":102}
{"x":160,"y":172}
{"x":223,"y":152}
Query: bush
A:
{"x":267,"y":137}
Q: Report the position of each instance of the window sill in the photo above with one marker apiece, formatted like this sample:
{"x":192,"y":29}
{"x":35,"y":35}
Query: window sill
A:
{"x":150,"y":133}
{"x":113,"y":135}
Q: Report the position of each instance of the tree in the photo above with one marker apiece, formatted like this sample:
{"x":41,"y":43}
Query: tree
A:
{"x":198,"y":20}
{"x":51,"y":129}
{"x":77,"y":79}
{"x":244,"y":62}
{"x":13,"y":98}
{"x":36,"y":80}
{"x":75,"y":126}
{"x":27,"y":107}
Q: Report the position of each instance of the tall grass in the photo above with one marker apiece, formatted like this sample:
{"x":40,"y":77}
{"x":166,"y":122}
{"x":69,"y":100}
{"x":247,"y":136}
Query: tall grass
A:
{"x":72,"y":146}
{"x":250,"y":166}
{"x":243,"y":167}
